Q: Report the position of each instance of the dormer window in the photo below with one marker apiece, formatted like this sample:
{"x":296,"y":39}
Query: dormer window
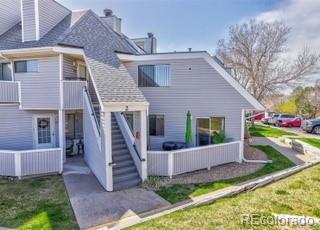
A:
{"x":29,"y":66}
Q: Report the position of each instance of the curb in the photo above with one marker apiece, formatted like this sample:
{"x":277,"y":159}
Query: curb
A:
{"x":211,"y":197}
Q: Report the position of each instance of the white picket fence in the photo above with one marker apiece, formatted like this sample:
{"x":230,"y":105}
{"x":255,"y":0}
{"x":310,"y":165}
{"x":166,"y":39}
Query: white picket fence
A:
{"x":170,"y":163}
{"x":31,"y":162}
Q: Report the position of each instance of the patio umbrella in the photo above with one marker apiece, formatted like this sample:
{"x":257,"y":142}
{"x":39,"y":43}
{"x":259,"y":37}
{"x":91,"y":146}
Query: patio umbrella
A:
{"x":188,"y":137}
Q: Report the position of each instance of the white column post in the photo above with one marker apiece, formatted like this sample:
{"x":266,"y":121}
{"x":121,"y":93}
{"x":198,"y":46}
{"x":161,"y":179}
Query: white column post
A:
{"x":108,"y":150}
{"x":143,"y":143}
{"x":241,"y":147}
{"x":62,"y":135}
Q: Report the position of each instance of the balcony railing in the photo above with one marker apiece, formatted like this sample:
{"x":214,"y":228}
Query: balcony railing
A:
{"x":73,"y":94}
{"x":9,"y":92}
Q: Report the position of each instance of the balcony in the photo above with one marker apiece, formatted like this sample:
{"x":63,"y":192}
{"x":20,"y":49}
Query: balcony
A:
{"x":73,"y":94}
{"x":9,"y":92}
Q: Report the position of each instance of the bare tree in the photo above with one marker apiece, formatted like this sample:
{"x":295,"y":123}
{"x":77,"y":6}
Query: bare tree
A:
{"x":256,"y":51}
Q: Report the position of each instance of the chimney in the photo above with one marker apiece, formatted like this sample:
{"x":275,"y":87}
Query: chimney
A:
{"x":148,"y":44}
{"x":190,"y":49}
{"x":39,"y":17}
{"x":112,"y":20}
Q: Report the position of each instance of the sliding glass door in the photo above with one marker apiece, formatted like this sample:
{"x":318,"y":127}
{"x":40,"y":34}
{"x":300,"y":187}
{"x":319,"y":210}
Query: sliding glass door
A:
{"x":203,"y":131}
{"x":207,"y":127}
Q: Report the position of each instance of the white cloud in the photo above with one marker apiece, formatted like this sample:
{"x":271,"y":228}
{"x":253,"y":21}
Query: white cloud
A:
{"x":303,"y":18}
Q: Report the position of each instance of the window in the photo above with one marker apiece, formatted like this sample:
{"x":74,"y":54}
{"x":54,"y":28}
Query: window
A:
{"x":156,"y":125}
{"x":153,"y":75}
{"x":217,"y":124}
{"x":29,"y":66}
{"x":5,"y":72}
{"x":82,"y":72}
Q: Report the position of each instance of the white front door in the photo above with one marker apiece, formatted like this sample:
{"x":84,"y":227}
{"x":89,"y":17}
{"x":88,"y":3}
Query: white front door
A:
{"x":44,"y":136}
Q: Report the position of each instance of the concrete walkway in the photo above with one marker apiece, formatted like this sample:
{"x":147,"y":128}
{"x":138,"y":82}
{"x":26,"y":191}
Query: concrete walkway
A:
{"x":94,"y":206}
{"x":292,"y":155}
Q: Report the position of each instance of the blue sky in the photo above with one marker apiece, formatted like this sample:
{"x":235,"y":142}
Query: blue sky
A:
{"x":179,"y":24}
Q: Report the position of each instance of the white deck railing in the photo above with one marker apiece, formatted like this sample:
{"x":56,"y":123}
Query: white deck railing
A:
{"x":9,"y":92}
{"x":30,"y":162}
{"x":73,"y":94}
{"x":170,"y":163}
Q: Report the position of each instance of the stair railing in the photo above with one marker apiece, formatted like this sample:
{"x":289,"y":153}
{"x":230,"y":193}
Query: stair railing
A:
{"x":93,"y":113}
{"x":130,"y":134}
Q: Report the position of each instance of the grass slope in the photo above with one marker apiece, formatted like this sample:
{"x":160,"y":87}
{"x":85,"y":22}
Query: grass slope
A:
{"x":267,"y":131}
{"x":177,"y":193}
{"x":40,"y":203}
{"x":295,"y":195}
{"x":311,"y":141}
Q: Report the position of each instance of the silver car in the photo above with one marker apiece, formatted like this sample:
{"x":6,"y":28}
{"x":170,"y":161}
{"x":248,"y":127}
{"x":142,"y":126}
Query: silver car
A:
{"x":311,"y":126}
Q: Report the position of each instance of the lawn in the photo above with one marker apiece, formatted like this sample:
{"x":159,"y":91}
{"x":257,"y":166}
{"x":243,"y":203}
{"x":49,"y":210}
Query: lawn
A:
{"x":311,"y":141}
{"x":38,"y":203}
{"x":295,"y":195}
{"x":177,"y":193}
{"x":267,"y":131}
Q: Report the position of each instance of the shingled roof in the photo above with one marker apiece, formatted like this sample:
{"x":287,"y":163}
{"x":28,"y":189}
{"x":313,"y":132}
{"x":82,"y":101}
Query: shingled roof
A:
{"x":100,"y":43}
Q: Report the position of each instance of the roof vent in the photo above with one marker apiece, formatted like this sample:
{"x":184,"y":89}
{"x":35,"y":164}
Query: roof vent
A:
{"x":107,"y":12}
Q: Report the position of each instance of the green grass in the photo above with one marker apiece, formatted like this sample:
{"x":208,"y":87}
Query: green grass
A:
{"x":37,"y":203}
{"x":311,"y":141}
{"x":177,"y":193}
{"x":295,"y":195}
{"x":267,"y":131}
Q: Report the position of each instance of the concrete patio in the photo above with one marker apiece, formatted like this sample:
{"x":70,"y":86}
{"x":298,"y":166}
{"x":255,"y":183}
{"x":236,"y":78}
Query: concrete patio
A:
{"x":93,"y":206}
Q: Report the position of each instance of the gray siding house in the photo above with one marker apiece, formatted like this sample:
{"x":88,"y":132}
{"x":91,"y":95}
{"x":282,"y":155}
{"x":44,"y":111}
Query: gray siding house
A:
{"x":72,"y":83}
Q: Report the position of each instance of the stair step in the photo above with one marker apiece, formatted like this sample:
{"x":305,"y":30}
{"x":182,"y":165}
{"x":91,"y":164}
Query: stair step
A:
{"x":118,"y":141}
{"x":117,"y":136}
{"x":120,"y":152}
{"x":126,"y":184}
{"x":124,"y":170}
{"x":123,"y":164}
{"x":125,"y":177}
{"x":116,"y":131}
{"x":119,"y":146}
{"x":123,"y":157}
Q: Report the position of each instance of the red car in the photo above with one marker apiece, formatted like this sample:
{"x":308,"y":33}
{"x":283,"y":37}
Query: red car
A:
{"x":295,"y":122}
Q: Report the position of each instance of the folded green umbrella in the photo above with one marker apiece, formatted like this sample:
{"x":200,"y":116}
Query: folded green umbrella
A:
{"x":188,"y":137}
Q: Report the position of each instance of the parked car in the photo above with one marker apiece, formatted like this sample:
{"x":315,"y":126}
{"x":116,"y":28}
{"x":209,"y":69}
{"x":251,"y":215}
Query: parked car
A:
{"x":265,"y":120}
{"x":294,"y":122}
{"x":258,"y":116}
{"x":273,"y":119}
{"x":284,"y":120}
{"x":311,"y":126}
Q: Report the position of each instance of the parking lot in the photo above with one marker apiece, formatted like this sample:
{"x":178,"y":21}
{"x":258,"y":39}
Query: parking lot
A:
{"x":299,"y":131}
